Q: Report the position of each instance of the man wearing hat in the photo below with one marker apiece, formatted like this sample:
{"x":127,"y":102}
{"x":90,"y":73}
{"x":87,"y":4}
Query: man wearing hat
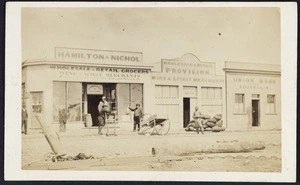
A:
{"x":103,"y":109}
{"x":137,"y":115}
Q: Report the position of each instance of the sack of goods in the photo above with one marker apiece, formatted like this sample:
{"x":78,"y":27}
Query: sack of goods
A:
{"x":218,"y":117}
{"x":219,"y":123}
{"x":208,"y":129}
{"x":214,"y":124}
{"x":210,"y":124}
{"x":212,"y":120}
{"x":217,"y":129}
{"x":205,"y":117}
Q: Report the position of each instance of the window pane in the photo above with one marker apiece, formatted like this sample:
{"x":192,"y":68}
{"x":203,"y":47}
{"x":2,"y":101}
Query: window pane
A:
{"x":236,"y":98}
{"x":218,"y":93}
{"x":271,"y":98}
{"x":166,"y":91}
{"x":59,"y":98}
{"x":123,"y":98}
{"x":211,"y":93}
{"x":204,"y":93}
{"x":271,"y":103}
{"x":74,"y":101}
{"x":239,"y":103}
{"x":174,"y":91}
{"x":158,"y":91}
{"x":137,"y":94}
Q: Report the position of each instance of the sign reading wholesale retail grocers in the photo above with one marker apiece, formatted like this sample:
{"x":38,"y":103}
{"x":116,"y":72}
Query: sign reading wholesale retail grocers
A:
{"x":96,"y":56}
{"x":93,"y":73}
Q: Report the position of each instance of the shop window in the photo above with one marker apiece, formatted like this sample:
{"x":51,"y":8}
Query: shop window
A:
{"x":136,"y":94}
{"x":128,"y":95}
{"x":37,"y":102}
{"x":271,"y":103}
{"x":166,"y":91}
{"x":239,"y":103}
{"x":67,"y":95}
{"x":59,"y":98}
{"x":74,"y":101}
{"x":123,"y":96}
{"x":211,"y":93}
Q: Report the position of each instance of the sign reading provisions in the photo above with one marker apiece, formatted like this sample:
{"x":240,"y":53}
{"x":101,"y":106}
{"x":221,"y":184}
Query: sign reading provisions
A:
{"x":94,"y":89}
{"x":96,"y":56}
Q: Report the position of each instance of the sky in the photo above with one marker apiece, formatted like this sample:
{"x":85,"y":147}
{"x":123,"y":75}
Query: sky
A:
{"x":212,"y":34}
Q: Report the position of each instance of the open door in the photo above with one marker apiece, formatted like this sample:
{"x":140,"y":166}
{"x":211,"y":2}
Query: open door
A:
{"x":186,"y":111}
{"x":255,"y":113}
{"x":93,"y":101}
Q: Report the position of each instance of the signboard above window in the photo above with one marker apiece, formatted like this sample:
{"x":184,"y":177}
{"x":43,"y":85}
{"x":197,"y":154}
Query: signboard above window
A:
{"x":96,"y":56}
{"x":190,"y":92}
{"x":96,"y":89}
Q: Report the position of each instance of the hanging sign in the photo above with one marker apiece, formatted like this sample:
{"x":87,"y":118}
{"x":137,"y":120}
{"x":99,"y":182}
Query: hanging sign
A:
{"x":95,"y":89}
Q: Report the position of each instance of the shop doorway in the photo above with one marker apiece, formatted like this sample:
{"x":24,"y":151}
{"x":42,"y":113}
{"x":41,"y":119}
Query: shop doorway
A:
{"x":186,"y":111}
{"x":93,"y":102}
{"x":255,"y":113}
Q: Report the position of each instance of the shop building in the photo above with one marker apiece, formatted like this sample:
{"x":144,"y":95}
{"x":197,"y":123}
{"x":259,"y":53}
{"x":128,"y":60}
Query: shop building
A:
{"x":184,"y":83}
{"x":77,"y":79}
{"x":253,"y":93}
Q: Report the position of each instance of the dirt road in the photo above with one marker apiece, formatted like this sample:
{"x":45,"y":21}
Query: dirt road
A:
{"x":173,"y":152}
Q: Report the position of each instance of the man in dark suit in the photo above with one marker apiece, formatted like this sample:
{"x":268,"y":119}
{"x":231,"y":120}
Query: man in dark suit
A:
{"x":24,"y":120}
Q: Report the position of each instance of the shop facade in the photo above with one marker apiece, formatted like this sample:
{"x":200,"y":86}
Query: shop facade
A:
{"x":76,"y":82}
{"x":184,"y":83}
{"x":247,"y":96}
{"x":253,"y":96}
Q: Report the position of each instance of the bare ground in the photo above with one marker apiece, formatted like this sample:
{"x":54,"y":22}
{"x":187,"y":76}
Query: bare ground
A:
{"x":173,"y":152}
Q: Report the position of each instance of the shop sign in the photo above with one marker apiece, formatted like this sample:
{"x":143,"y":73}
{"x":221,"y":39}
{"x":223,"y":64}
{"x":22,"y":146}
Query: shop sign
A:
{"x":96,"y":56}
{"x":255,"y":83}
{"x":95,"y":89}
{"x":182,"y":80}
{"x":190,"y":92}
{"x":88,"y":73}
{"x":187,"y":69}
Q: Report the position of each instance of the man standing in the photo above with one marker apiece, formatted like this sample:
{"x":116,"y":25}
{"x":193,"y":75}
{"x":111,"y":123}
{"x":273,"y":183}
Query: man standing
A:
{"x":137,"y":115}
{"x":63,"y":117}
{"x":197,"y":121}
{"x":103,"y":109}
{"x":24,"y":120}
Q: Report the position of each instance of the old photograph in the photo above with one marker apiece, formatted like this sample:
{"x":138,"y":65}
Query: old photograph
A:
{"x":151,"y":89}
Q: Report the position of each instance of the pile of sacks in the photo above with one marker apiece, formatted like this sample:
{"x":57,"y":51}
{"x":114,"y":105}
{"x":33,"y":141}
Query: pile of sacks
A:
{"x":214,"y":124}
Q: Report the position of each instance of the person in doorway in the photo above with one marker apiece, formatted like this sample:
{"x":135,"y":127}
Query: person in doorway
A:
{"x":197,"y":121}
{"x":63,"y":117}
{"x":137,"y":116}
{"x":103,"y":109}
{"x":24,"y":120}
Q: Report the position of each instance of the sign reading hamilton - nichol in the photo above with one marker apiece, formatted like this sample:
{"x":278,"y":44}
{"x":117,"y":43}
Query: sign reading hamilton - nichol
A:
{"x":96,"y":56}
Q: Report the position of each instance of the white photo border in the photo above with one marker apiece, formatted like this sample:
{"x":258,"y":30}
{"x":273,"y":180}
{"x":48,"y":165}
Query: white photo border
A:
{"x":12,"y":157}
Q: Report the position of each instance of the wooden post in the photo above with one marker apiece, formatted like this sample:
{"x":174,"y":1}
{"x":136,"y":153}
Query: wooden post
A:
{"x":51,"y":137}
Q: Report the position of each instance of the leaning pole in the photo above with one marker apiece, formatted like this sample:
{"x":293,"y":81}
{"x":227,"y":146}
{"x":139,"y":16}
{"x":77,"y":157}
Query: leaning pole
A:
{"x":51,"y":136}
